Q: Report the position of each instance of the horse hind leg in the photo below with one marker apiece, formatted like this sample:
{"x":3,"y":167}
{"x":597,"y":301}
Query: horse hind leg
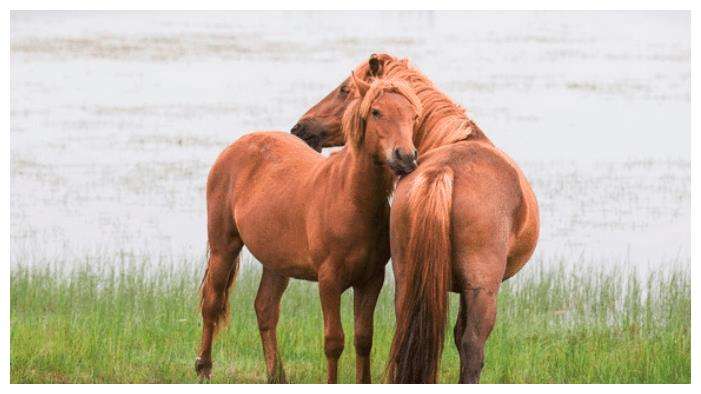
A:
{"x":267,"y":306}
{"x":460,"y":328}
{"x":218,"y":279}
{"x":479,"y":321}
{"x":481,"y":279}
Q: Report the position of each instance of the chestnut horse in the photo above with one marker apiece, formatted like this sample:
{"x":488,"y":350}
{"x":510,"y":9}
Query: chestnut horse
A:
{"x":464,"y":221}
{"x":306,"y":216}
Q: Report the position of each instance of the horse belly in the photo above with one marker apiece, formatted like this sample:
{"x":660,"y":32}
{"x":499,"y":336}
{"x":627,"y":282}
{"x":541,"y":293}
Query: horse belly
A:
{"x":525,"y":239}
{"x":275,"y":257}
{"x":278,"y":245}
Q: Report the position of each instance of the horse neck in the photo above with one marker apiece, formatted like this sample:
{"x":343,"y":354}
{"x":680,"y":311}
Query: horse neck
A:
{"x":448,"y":129}
{"x":363,"y":179}
{"x":444,"y":122}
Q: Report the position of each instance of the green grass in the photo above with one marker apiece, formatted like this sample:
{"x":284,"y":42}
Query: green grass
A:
{"x":130,"y":324}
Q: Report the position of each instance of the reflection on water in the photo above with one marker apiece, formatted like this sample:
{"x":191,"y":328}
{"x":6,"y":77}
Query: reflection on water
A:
{"x":116,"y":117}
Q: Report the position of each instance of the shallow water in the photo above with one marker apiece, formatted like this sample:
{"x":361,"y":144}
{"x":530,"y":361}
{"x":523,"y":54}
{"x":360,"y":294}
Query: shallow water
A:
{"x":116,"y":117}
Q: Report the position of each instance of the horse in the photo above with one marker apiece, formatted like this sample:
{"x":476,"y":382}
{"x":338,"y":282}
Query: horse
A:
{"x":464,"y":221}
{"x":306,"y":216}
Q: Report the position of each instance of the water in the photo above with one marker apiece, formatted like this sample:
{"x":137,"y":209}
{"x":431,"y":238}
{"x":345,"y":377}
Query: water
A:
{"x":116,"y":117}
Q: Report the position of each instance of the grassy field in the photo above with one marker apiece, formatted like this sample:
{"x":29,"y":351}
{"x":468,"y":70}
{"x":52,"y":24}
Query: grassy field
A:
{"x":129,"y":324}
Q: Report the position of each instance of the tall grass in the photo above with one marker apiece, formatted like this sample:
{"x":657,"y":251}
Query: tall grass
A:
{"x":97,"y":323}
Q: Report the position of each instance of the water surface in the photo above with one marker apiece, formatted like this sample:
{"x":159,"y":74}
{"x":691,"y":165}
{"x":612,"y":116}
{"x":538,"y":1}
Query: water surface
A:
{"x":117,"y":117}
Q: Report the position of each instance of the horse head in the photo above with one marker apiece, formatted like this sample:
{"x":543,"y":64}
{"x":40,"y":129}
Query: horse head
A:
{"x":320,"y":127}
{"x":380,"y":121}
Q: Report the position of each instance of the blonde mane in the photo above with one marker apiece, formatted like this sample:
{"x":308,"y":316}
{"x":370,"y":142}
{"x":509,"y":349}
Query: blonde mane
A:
{"x":444,"y":122}
{"x":355,"y":116}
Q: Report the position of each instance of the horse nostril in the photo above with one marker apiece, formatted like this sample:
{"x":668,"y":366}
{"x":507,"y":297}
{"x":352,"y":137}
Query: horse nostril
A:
{"x":405,"y":156}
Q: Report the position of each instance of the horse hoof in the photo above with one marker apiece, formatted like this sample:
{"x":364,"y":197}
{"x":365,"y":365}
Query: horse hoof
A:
{"x":278,"y":375}
{"x":280,"y":379}
{"x":277,"y":380}
{"x":203,"y":368}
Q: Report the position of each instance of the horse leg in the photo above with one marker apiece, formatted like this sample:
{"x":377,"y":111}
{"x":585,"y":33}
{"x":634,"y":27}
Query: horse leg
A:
{"x":364,"y":300}
{"x":267,"y":305}
{"x":330,"y":293}
{"x":480,"y":286}
{"x":460,"y":329}
{"x":218,"y":278}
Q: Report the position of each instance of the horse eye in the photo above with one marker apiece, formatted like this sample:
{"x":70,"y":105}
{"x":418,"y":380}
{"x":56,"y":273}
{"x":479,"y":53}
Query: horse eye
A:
{"x":376,"y":113}
{"x":344,"y":90}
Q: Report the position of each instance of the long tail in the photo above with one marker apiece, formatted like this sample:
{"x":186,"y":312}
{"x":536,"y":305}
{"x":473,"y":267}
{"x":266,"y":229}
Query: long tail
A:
{"x":421,"y":317}
{"x":221,"y":306}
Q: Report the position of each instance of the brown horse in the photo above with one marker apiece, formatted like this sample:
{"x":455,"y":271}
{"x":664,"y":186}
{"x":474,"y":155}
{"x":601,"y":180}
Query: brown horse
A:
{"x":464,"y":221}
{"x":306,"y":216}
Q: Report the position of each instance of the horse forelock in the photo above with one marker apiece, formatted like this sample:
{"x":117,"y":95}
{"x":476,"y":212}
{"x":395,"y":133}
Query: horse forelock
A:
{"x":355,"y":116}
{"x":443,"y":121}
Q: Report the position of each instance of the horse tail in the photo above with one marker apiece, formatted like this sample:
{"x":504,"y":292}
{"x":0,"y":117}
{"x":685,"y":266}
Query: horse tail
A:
{"x":422,"y":314}
{"x":207,"y":253}
{"x":219,"y":312}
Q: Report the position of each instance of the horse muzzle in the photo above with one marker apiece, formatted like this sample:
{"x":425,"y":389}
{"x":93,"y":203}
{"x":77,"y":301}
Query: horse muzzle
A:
{"x":403,"y":163}
{"x":304,"y":130}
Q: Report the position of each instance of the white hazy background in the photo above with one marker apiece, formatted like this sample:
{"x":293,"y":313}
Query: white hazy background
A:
{"x":116,"y":118}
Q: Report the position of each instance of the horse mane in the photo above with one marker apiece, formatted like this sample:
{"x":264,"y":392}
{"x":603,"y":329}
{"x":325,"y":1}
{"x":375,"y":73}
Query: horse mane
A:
{"x":356,"y":114}
{"x":444,"y":122}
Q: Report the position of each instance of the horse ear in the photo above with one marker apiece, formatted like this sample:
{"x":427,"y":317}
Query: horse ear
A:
{"x":376,"y":65}
{"x":363,"y":86}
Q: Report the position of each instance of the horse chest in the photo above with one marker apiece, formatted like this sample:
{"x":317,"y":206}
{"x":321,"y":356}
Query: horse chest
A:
{"x":364,"y":260}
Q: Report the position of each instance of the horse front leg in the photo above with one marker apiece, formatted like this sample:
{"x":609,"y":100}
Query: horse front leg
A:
{"x":267,"y":306}
{"x":365,"y":300}
{"x":330,"y":293}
